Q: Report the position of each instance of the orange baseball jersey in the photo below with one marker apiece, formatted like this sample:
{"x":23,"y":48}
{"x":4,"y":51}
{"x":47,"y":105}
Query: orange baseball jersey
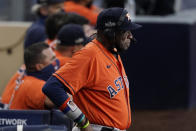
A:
{"x":89,"y":13}
{"x":8,"y":91}
{"x":28,"y":95}
{"x":61,"y":58}
{"x":99,"y":85}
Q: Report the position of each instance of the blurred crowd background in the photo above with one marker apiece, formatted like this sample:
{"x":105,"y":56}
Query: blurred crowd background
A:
{"x":20,"y":10}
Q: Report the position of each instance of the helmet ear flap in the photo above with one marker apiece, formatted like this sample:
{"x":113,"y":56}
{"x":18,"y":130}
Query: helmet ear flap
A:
{"x":109,"y":34}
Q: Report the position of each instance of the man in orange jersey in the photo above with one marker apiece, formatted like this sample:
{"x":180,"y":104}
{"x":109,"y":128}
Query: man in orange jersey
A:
{"x":83,"y":8}
{"x":96,"y":78}
{"x":40,"y":62}
{"x":70,"y":39}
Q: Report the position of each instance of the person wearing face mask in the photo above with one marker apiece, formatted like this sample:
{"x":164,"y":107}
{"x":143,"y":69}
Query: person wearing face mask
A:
{"x":42,"y":9}
{"x":41,"y":63}
{"x":84,"y":8}
{"x":96,"y":78}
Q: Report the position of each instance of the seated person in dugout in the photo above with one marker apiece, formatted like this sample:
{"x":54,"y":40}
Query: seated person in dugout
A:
{"x":70,"y":39}
{"x":42,"y":9}
{"x":56,"y":21}
{"x":84,"y":8}
{"x":26,"y":90}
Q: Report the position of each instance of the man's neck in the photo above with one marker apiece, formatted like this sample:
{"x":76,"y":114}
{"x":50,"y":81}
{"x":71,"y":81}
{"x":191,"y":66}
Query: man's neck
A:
{"x":108,"y":46}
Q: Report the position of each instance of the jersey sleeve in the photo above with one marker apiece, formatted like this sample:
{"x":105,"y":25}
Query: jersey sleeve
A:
{"x":56,"y":91}
{"x":77,"y":73}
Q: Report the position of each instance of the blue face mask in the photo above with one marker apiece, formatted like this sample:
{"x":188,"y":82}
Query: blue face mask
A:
{"x":46,"y":72}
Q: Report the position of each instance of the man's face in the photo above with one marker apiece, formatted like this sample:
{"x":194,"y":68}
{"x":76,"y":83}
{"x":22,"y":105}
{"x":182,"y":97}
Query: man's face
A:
{"x":49,"y":58}
{"x":123,"y":40}
{"x":55,"y":8}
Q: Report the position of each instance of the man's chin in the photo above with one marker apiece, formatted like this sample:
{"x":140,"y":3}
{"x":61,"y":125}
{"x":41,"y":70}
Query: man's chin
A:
{"x":123,"y":48}
{"x":120,"y":50}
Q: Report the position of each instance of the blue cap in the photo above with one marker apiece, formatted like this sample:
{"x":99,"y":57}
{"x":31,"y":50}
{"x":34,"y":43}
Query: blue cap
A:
{"x":115,"y":18}
{"x":71,"y":34}
{"x":48,"y":2}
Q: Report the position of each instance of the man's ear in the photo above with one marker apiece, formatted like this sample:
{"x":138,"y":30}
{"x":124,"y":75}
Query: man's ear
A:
{"x":39,"y":67}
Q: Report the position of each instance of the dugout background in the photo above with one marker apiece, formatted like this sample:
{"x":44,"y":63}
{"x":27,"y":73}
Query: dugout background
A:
{"x":162,"y":66}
